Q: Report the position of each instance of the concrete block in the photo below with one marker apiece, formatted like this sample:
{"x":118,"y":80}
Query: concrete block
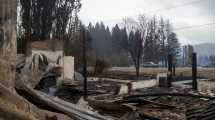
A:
{"x":162,"y":79}
{"x":68,"y":68}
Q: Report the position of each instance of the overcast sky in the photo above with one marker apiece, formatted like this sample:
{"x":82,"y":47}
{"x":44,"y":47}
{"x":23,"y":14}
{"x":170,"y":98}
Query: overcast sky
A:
{"x":183,"y":13}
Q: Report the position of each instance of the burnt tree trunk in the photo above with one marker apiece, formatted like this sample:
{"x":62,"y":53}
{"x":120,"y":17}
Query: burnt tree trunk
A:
{"x":137,"y":70}
{"x":84,"y":62}
{"x":12,"y":106}
{"x":169,"y":78}
{"x":7,"y":42}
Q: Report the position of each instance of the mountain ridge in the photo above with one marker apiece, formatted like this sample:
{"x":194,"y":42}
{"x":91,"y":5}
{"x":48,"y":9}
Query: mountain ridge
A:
{"x":205,"y":49}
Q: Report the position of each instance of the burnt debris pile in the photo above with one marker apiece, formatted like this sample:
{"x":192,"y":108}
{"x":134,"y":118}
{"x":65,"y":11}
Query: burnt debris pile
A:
{"x":112,"y":99}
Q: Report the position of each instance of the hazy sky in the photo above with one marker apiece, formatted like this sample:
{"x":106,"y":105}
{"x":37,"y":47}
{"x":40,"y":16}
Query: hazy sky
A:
{"x":182,"y":13}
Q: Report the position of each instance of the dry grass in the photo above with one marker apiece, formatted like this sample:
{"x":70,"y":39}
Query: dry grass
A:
{"x":129,"y":72}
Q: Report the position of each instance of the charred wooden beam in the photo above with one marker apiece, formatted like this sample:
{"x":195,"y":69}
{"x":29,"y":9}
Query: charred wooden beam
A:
{"x":63,"y":106}
{"x":207,"y":113}
{"x":143,"y":116}
{"x":144,"y":101}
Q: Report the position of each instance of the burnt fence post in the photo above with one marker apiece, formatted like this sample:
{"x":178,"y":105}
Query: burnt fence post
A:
{"x":194,"y":72}
{"x":174,"y":68}
{"x":84,"y":61}
{"x":169,"y":78}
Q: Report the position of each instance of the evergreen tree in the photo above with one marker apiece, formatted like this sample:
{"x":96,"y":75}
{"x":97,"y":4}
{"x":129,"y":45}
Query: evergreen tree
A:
{"x":108,"y":40}
{"x":124,"y":37}
{"x":212,"y":60}
{"x":187,"y":55}
{"x":151,"y":45}
{"x":116,"y":38}
{"x":173,"y":46}
{"x":45,"y":19}
{"x":120,"y":45}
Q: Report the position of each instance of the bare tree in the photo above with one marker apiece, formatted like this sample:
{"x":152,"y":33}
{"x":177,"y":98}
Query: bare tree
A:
{"x":162,"y":37}
{"x":135,"y":41}
{"x":136,"y":49}
{"x":130,"y":24}
{"x":151,"y":39}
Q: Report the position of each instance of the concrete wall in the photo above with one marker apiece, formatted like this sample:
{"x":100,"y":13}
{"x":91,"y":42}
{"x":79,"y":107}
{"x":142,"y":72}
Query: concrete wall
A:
{"x":7,"y":42}
{"x":68,"y":68}
{"x":52,"y":55}
{"x":124,"y":89}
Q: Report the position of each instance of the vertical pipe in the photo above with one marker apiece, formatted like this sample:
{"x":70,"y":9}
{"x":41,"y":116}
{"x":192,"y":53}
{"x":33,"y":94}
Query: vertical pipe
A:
{"x":84,"y":62}
{"x":169,"y":79}
{"x":194,"y":71}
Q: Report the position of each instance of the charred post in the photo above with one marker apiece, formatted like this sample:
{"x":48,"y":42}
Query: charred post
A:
{"x":194,"y":71}
{"x":174,"y":69}
{"x":84,"y":61}
{"x":170,"y":65}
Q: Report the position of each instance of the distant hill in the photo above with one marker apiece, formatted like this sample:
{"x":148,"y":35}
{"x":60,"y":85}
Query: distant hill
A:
{"x":205,"y":49}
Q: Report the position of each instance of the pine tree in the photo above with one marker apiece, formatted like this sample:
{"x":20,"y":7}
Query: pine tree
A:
{"x":49,"y":18}
{"x":173,"y":46}
{"x":212,"y":60}
{"x":116,"y":38}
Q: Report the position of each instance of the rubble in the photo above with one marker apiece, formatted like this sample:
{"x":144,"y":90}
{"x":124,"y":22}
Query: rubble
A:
{"x":206,"y":113}
{"x":158,"y":105}
{"x":116,"y":99}
{"x":43,"y":84}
